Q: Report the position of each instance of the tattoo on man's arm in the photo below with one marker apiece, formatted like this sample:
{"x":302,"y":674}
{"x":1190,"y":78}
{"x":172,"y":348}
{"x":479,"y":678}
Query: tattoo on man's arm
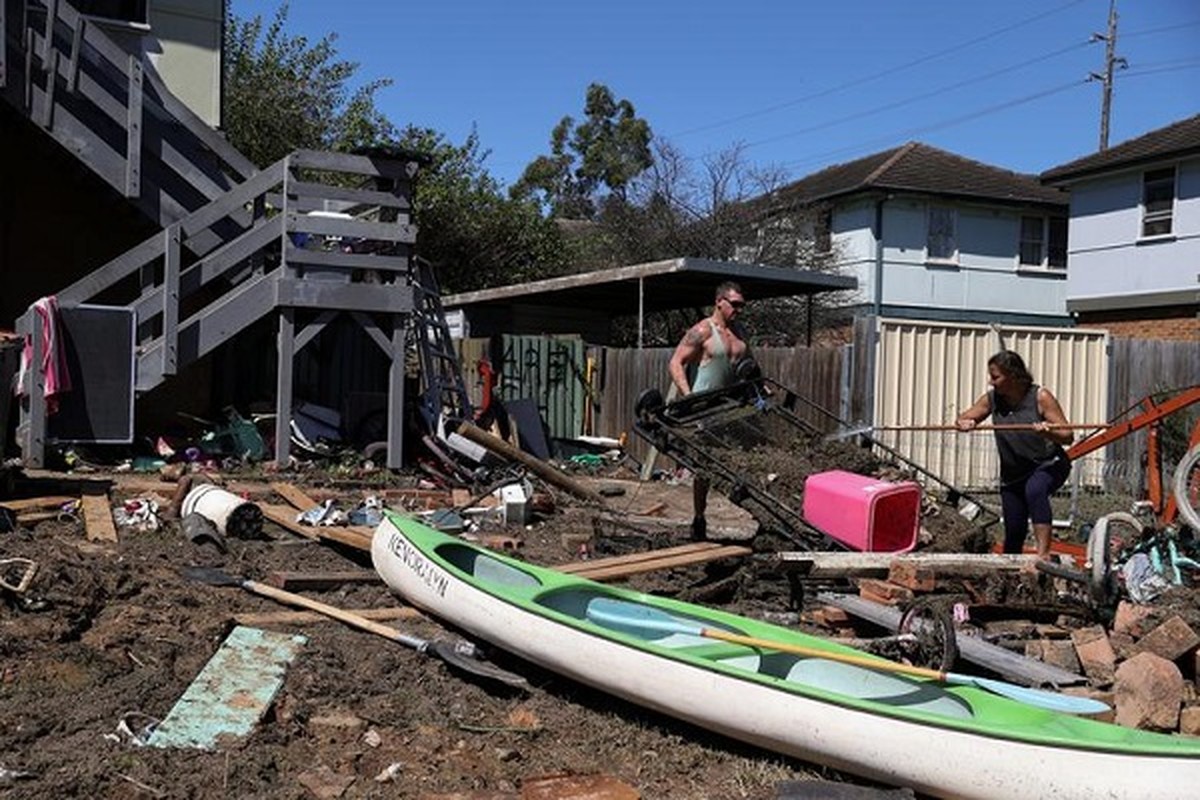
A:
{"x":693,"y":338}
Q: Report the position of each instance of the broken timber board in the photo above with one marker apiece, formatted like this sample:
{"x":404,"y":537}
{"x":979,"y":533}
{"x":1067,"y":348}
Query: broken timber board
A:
{"x":285,"y":517}
{"x":613,"y":572}
{"x":36,"y":503}
{"x":876,"y":565}
{"x":293,"y":495}
{"x":304,"y":617}
{"x":319,"y":581}
{"x":98,"y":518}
{"x":232,"y":692}
{"x":1012,"y":666}
{"x":576,"y":567}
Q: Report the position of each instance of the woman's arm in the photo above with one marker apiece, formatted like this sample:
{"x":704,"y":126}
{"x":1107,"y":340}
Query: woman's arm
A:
{"x":1052,"y":414}
{"x":978,"y":412}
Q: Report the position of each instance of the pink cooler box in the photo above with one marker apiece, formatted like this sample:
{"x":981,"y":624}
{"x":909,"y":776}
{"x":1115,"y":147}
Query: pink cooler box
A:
{"x":864,"y":513}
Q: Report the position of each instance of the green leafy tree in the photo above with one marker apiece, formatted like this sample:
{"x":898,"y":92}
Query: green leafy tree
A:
{"x":283,"y":92}
{"x":726,"y":209}
{"x":604,"y":153}
{"x":477,"y":237}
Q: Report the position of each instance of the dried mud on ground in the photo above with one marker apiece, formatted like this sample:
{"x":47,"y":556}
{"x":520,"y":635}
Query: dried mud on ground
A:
{"x":117,"y":634}
{"x":122,"y":635}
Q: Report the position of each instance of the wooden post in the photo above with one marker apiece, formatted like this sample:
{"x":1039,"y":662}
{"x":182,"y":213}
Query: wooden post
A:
{"x":537,"y":466}
{"x":285,"y":350}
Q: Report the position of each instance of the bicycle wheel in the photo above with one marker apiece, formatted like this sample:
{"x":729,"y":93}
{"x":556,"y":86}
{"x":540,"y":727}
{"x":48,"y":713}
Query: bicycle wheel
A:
{"x":1187,"y":488}
{"x":1111,"y":535}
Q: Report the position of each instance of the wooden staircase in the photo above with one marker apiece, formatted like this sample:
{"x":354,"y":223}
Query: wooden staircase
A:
{"x":236,"y":244}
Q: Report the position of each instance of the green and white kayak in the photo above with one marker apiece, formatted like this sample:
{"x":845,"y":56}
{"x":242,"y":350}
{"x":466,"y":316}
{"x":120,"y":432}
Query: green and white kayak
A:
{"x":795,"y":694}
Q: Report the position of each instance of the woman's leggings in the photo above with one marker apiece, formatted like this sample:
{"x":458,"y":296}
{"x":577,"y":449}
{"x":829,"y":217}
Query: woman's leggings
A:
{"x":1029,"y":500}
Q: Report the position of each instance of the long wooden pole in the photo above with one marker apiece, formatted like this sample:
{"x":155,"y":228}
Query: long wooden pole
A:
{"x":536,"y":465}
{"x":1081,"y":426}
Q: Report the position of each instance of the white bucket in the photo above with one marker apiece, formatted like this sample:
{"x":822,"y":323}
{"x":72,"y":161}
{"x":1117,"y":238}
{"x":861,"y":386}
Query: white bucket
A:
{"x":222,"y":507}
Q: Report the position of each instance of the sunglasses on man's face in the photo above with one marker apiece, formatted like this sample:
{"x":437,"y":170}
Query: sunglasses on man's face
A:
{"x":734,"y":303}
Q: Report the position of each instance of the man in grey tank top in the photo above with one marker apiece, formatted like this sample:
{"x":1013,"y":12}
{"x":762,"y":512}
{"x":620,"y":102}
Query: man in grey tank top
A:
{"x":714,"y":344}
{"x":1033,"y":463}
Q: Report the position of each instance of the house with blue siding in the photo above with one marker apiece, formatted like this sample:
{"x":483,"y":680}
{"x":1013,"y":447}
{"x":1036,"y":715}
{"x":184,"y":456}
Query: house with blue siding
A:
{"x":1134,"y":247}
{"x":932,"y":235}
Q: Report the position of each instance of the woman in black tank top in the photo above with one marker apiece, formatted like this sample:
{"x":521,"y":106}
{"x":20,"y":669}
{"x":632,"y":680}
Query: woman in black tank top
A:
{"x":1032,"y":462}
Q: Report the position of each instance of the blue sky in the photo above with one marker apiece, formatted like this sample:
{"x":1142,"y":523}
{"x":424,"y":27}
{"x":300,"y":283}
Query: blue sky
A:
{"x":801,"y":85}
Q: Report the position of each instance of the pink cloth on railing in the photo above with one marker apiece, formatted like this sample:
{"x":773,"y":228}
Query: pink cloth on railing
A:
{"x":54,"y":361}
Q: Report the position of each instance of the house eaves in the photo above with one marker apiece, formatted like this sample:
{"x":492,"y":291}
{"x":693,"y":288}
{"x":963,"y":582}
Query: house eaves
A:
{"x":916,"y":168}
{"x":1177,"y":140}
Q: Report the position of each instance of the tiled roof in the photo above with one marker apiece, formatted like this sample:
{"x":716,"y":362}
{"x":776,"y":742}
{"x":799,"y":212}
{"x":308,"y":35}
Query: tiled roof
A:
{"x":917,"y":167}
{"x":1176,"y":139}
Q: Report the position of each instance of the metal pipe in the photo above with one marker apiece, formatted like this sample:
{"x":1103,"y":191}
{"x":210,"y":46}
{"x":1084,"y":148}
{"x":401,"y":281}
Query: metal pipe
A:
{"x":1028,"y":426}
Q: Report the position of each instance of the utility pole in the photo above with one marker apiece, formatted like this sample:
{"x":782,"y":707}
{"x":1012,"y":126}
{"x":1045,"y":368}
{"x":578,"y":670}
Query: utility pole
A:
{"x":1111,"y":59}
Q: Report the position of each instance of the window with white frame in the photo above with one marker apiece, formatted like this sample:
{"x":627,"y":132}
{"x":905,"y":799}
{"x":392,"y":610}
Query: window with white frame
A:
{"x":942,"y":241}
{"x":1158,"y":201}
{"x":1043,"y":242}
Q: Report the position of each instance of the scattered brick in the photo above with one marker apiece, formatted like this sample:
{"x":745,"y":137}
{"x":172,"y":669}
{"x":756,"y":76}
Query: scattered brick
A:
{"x":912,"y":576}
{"x":1189,"y":721}
{"x":831,"y":617}
{"x":1131,"y":619}
{"x":1095,"y":654}
{"x":1123,"y":645}
{"x":1149,"y":693}
{"x":1060,"y":653}
{"x":1172,"y":640}
{"x":894,"y":594}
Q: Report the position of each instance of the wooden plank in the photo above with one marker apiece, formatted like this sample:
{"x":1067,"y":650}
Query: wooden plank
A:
{"x":363,"y":297}
{"x":133,"y":129}
{"x":1010,"y":665}
{"x":319,"y":581}
{"x":233,"y":691}
{"x":294,"y":495}
{"x":358,"y":537}
{"x":876,"y":565}
{"x":307,"y":617}
{"x":36,"y":503}
{"x":575,"y":567}
{"x":348,"y":261}
{"x":34,"y":517}
{"x":625,"y":570}
{"x":364,"y":197}
{"x":361,"y":165}
{"x":98,"y":518}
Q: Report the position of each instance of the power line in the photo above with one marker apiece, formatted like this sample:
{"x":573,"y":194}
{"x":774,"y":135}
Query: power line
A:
{"x":1177,"y":66}
{"x":907,"y":135}
{"x":922,"y":96}
{"x":871,"y":145}
{"x":1163,"y":29}
{"x":881,"y":74}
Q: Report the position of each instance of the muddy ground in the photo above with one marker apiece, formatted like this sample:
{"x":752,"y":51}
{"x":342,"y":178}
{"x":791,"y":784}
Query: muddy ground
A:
{"x":111,"y":634}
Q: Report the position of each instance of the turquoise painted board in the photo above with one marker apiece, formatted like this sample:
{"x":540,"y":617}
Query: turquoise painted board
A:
{"x":550,"y":370}
{"x":232,"y":692}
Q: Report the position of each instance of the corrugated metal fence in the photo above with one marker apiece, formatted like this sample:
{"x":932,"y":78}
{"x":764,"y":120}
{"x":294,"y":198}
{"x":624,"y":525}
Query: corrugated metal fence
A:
{"x":920,"y":373}
{"x":926,"y":373}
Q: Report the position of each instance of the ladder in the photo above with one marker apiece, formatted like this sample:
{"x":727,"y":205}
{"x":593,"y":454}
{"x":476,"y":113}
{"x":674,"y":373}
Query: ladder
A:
{"x":443,"y":393}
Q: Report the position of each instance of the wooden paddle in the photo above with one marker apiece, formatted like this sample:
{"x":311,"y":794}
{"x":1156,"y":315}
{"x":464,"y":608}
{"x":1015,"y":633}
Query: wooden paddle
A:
{"x":462,"y":655}
{"x":1004,"y":426}
{"x":622,"y":614}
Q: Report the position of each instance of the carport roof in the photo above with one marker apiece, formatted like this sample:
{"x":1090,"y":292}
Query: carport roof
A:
{"x":675,"y":283}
